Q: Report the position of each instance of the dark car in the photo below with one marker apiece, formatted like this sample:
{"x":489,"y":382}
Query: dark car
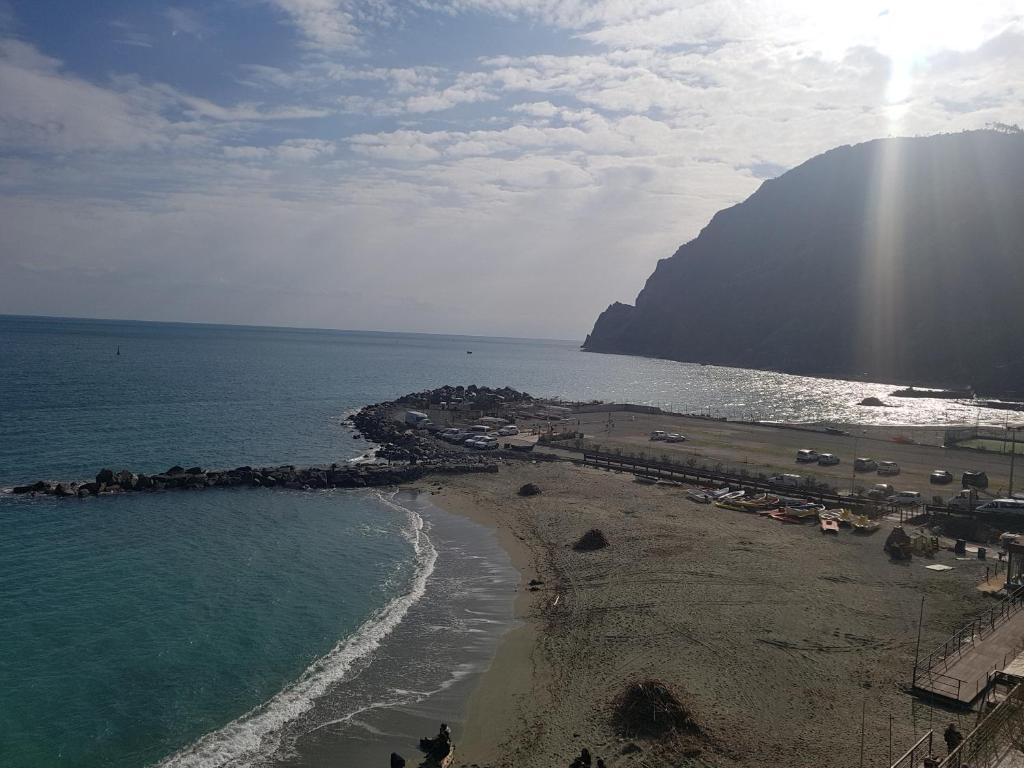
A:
{"x":974,"y":480}
{"x":940,"y":477}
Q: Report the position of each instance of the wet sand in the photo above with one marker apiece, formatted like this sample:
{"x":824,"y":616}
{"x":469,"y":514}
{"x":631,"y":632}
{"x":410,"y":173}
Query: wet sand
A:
{"x":425,"y":670}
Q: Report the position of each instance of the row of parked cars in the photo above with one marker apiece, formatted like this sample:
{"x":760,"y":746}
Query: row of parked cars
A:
{"x":478,"y":436}
{"x":861,"y":464}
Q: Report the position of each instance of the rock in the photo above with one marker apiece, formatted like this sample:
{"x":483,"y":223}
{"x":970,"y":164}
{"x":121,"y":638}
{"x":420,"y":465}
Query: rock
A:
{"x":125,"y":479}
{"x":874,"y":402}
{"x":175,"y":470}
{"x":590,"y":541}
{"x":142,"y":482}
{"x":105,"y":476}
{"x":530,"y":489}
{"x":194,"y":471}
{"x":61,"y":490}
{"x":397,"y":761}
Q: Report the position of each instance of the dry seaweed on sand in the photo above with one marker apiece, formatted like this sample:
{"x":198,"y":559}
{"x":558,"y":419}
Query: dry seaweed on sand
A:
{"x":591,"y":540}
{"x":650,"y":709}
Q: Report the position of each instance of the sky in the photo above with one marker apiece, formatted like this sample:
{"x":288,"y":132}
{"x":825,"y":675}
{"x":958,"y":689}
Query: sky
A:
{"x":491,"y":167}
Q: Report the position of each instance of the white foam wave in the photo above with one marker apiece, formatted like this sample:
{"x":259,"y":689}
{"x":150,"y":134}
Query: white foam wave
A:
{"x":258,"y":732}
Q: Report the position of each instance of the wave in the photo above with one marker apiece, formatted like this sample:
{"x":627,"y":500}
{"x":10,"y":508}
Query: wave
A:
{"x":257,"y":733}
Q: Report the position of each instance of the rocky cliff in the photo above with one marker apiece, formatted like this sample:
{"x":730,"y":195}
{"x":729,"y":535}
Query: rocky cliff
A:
{"x":897,"y":260}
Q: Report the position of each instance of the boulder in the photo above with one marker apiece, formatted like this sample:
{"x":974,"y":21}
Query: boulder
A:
{"x":175,"y":470}
{"x":530,"y":489}
{"x":105,"y":476}
{"x":194,"y":471}
{"x":125,"y":479}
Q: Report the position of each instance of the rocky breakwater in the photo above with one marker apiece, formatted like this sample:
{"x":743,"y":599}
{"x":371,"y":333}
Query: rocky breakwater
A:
{"x":411,"y":454}
{"x":285,"y":476}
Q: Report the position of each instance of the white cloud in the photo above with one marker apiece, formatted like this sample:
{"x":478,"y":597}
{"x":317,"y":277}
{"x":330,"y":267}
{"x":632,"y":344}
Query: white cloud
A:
{"x":579,"y":169}
{"x":186,"y":21}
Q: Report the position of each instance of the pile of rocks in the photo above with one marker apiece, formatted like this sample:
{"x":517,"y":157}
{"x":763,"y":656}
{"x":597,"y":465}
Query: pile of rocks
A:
{"x":284,"y":476}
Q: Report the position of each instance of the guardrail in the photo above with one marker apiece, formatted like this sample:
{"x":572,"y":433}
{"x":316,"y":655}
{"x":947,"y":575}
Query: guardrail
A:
{"x":673,"y":471}
{"x":930,"y":670}
{"x":913,"y":757}
{"x":999,"y":731}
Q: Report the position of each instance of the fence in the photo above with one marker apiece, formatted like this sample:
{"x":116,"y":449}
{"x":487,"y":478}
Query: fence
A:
{"x":1001,"y":730}
{"x":929,"y":672}
{"x":913,"y":757}
{"x":673,"y":471}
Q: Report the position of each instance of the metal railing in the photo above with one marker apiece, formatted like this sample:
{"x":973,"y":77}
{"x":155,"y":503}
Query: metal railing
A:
{"x":930,"y":670}
{"x":671,"y":470}
{"x":913,"y":757}
{"x":1001,"y":730}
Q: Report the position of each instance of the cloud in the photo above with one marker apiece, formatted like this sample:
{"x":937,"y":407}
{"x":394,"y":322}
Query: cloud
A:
{"x":186,"y":21}
{"x":404,"y":176}
{"x":334,"y":25}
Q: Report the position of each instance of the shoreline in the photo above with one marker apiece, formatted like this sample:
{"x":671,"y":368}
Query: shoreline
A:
{"x":426,"y":668}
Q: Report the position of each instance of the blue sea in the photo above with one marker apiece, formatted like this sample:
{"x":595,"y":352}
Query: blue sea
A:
{"x":221,"y":628}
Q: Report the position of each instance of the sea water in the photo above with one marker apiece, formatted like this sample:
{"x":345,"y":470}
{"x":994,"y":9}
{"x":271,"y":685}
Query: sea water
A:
{"x":217,"y":627}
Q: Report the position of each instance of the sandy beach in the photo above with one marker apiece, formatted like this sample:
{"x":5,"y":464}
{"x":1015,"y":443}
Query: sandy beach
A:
{"x":776,"y":637}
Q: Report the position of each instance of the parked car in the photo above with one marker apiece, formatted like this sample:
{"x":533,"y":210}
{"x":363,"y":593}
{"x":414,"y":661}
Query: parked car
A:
{"x":863,"y":464}
{"x":940,"y":477}
{"x":787,"y":479}
{"x":675,"y":437}
{"x":482,"y":429}
{"x":974,"y":480}
{"x":888,"y":468}
{"x":1002,"y":505}
{"x":658,"y":434}
{"x":806,"y":455}
{"x":828,"y":459}
{"x":881,"y":491}
{"x":905,"y":498}
{"x":511,"y":429}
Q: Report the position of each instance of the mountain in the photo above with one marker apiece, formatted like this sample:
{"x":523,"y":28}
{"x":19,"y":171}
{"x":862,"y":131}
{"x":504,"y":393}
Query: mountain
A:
{"x":897,"y":260}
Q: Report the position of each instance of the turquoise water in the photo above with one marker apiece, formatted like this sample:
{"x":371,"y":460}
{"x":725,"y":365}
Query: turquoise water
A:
{"x":133,"y":626}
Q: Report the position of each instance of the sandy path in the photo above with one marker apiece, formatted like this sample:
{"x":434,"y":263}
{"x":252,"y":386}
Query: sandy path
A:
{"x":775,"y":634}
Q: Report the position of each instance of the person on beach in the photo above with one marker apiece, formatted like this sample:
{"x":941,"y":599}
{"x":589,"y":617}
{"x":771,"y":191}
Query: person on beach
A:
{"x":953,"y":737}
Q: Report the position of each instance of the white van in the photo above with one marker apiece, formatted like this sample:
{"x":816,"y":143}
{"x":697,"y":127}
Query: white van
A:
{"x":806,"y":455}
{"x":658,"y":434}
{"x":791,"y":480}
{"x":1002,"y":505}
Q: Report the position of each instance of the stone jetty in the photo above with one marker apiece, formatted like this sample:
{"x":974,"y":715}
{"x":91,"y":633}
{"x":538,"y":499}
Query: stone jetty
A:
{"x":411,"y":455}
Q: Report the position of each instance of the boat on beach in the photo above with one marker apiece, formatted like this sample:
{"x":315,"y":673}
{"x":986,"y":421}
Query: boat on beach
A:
{"x":801,"y":513}
{"x":732,"y":500}
{"x":829,"y":525}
